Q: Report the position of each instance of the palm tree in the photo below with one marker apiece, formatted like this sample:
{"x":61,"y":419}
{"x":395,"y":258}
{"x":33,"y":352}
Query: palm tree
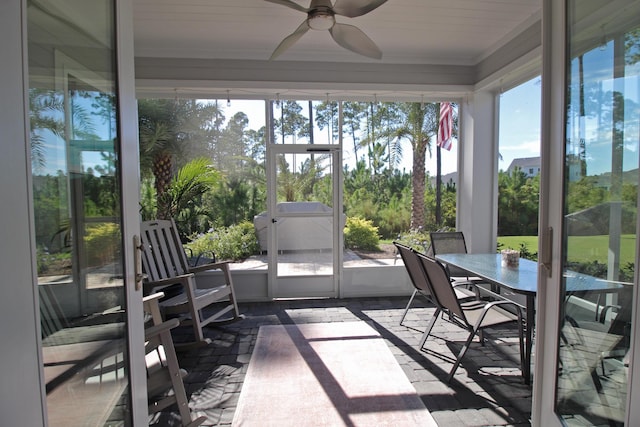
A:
{"x":419,"y":126}
{"x":47,"y":114}
{"x":168,"y":128}
{"x":183,"y":196}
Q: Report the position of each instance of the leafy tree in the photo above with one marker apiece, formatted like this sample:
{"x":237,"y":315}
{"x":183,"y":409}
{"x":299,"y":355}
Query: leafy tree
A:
{"x":292,"y":122}
{"x":448,"y":206}
{"x":585,"y":193}
{"x":352,"y":113}
{"x":371,"y":133}
{"x":230,"y":148}
{"x":518,"y":197}
{"x":327,"y":116}
{"x":395,"y":216}
{"x":48,"y":190}
{"x":378,"y":157}
{"x":256,"y":145}
{"x":632,"y":46}
{"x":233,"y":202}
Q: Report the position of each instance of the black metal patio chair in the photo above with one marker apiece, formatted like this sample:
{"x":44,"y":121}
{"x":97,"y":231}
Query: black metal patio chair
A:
{"x":473,"y":316}
{"x":419,"y":280}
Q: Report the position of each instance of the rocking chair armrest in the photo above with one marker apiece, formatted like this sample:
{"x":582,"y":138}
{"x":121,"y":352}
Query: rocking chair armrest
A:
{"x":194,"y":261}
{"x":171,"y":280}
{"x":156,"y":330}
{"x":155,"y":296}
{"x":182,"y":279}
{"x":151,"y":304}
{"x":210,"y":266}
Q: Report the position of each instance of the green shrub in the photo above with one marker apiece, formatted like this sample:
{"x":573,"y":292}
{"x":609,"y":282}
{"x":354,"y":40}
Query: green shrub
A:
{"x":416,"y":239}
{"x":361,"y":234}
{"x":102,"y":243}
{"x":53,"y":264}
{"x":235,"y":242}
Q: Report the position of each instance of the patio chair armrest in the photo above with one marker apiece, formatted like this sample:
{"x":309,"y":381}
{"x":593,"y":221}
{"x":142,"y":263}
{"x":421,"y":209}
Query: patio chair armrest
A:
{"x":518,"y":307}
{"x":469,"y":284}
{"x":603,"y":313}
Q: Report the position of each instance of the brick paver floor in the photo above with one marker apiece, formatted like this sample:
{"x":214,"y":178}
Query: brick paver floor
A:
{"x":487,"y":389}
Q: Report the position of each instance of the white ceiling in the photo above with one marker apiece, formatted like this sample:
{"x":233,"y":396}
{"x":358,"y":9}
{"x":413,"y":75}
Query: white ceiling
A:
{"x":459,"y":33}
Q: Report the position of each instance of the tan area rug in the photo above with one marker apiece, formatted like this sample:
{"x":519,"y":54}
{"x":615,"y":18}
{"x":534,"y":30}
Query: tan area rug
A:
{"x":326,"y":374}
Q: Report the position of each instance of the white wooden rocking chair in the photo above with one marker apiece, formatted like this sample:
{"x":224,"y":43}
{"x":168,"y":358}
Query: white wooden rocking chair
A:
{"x":165,"y":264}
{"x":164,"y":376}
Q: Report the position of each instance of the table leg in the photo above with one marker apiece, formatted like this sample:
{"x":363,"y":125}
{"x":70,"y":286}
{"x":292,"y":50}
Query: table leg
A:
{"x":528,"y":343}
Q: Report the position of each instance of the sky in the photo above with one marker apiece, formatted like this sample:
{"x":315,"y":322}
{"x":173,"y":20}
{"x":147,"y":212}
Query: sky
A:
{"x":519,"y":122}
{"x":519,"y":128}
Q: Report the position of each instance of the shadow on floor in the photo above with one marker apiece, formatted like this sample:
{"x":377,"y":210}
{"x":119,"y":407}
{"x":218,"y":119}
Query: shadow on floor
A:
{"x":487,"y":388}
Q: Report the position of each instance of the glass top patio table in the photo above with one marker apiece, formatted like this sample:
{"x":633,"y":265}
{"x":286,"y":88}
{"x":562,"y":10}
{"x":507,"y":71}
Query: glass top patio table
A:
{"x":523,"y":279}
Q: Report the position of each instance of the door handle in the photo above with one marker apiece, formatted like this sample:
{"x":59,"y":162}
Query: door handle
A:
{"x":546,"y":250}
{"x":137,"y":261}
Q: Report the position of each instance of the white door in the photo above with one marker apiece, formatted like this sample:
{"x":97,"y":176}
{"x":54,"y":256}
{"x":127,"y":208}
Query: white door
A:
{"x":585,"y":349}
{"x":83,"y":145}
{"x":302,"y":229}
{"x":303,"y":220}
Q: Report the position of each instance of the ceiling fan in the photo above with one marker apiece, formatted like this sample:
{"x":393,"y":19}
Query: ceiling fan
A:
{"x":321,"y":15}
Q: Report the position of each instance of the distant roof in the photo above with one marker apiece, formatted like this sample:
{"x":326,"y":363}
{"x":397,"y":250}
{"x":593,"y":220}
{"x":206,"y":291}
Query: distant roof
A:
{"x":525,"y":162}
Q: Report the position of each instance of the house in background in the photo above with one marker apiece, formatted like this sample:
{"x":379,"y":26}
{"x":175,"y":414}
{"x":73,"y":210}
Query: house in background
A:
{"x":450,"y":178}
{"x":529,"y":165}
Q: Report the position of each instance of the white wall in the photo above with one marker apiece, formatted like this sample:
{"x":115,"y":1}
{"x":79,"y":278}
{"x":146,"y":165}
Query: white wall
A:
{"x":477,"y":172}
{"x":369,"y":281}
{"x":21,"y":400}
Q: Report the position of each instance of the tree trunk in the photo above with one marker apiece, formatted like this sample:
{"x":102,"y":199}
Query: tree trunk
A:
{"x":162,"y":166}
{"x":417,"y":195}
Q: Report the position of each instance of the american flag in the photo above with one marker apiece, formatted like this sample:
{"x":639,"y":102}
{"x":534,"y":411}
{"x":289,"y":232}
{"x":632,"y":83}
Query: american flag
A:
{"x":445,"y":126}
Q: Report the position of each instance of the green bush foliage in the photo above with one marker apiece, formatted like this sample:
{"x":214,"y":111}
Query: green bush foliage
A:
{"x":416,"y":239}
{"x":53,"y":264}
{"x":102,"y":243}
{"x":361,"y":234}
{"x":235,"y":242}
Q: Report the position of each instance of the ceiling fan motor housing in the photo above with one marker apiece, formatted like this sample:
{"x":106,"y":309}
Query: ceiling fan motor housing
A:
{"x":320,"y":16}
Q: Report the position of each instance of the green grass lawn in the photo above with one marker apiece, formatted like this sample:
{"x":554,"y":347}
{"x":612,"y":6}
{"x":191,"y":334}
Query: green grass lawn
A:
{"x":580,"y":248}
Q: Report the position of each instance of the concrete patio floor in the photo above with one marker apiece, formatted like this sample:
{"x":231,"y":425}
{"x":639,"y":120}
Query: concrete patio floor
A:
{"x":487,"y":390}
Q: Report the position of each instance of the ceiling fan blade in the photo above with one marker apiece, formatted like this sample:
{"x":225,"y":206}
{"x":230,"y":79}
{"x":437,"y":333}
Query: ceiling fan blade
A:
{"x":290,"y":40}
{"x":290,"y":4}
{"x":353,"y":8}
{"x":352,"y":38}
